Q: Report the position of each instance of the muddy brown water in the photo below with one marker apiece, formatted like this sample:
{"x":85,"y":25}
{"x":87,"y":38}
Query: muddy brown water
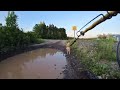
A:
{"x":36,"y":64}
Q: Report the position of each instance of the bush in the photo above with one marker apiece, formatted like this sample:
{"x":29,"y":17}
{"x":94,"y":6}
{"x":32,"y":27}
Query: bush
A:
{"x":12,"y":38}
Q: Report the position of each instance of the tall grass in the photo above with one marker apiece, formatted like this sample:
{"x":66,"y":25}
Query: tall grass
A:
{"x":99,"y":57}
{"x":105,"y":49}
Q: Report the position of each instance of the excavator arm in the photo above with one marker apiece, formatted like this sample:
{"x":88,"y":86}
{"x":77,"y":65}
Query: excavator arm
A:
{"x":109,"y":15}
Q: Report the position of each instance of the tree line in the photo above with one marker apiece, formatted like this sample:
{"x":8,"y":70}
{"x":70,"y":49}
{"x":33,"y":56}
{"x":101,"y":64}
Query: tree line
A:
{"x":49,"y":32}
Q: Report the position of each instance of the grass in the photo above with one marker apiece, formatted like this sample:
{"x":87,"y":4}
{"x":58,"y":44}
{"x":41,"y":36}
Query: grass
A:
{"x":98,"y":57}
{"x":40,"y":41}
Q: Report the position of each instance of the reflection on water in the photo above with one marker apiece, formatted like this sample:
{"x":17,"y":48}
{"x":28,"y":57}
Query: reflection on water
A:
{"x":37,"y":64}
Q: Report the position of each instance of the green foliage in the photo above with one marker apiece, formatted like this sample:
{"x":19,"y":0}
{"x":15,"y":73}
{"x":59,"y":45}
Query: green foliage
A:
{"x":99,"y":57}
{"x":49,"y":32}
{"x":11,"y":20}
{"x":105,"y":49}
{"x":40,"y":30}
{"x":12,"y":38}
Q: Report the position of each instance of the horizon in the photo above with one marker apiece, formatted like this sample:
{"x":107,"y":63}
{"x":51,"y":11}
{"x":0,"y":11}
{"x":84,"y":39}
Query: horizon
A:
{"x":66,"y":19}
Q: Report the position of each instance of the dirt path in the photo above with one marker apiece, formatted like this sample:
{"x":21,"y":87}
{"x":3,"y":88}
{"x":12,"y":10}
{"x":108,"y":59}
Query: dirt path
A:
{"x":74,"y":70}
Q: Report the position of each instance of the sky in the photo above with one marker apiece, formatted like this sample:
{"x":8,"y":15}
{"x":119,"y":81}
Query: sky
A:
{"x":66,"y":19}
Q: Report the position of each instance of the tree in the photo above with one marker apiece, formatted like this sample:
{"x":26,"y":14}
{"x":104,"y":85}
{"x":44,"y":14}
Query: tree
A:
{"x":49,"y":32}
{"x":11,"y":20}
{"x":43,"y":29}
{"x":63,"y":31}
{"x":37,"y":30}
{"x":0,"y":25}
{"x":40,"y":29}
